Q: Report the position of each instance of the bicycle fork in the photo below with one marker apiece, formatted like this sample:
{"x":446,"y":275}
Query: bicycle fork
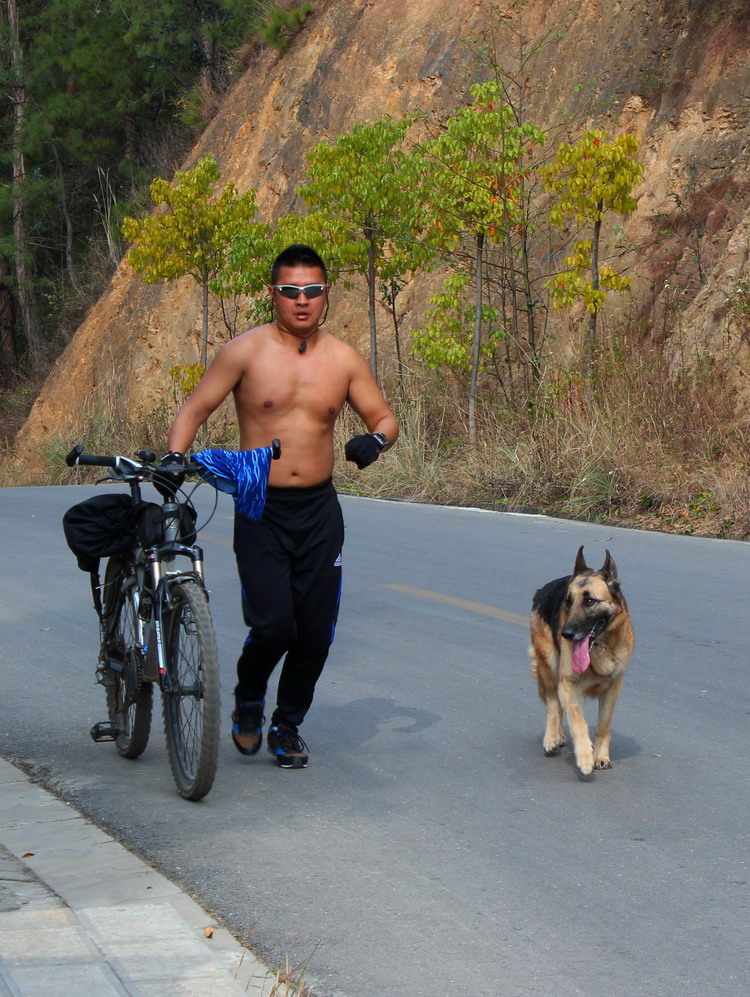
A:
{"x":157,"y":669}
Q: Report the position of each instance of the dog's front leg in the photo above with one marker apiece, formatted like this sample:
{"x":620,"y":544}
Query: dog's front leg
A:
{"x":572,"y":703}
{"x":604,"y":727}
{"x":554,"y":738}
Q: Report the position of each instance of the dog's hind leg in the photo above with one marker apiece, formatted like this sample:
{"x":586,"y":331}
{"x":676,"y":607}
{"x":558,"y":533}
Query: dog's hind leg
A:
{"x":579,"y":731}
{"x":604,"y":727}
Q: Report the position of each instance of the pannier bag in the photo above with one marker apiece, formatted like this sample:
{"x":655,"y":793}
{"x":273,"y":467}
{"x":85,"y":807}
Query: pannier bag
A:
{"x":100,"y":527}
{"x":106,"y":525}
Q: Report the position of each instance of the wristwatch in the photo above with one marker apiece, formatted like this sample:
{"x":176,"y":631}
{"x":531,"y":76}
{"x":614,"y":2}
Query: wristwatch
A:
{"x":381,"y":439}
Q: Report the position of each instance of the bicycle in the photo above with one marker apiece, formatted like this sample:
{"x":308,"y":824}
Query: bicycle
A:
{"x":155,"y":622}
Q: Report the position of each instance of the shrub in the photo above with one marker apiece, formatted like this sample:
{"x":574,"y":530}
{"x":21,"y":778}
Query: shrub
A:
{"x":281,"y":24}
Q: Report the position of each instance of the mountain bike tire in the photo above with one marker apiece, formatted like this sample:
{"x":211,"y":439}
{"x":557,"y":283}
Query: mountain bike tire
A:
{"x":133,"y":722}
{"x":191,"y":705}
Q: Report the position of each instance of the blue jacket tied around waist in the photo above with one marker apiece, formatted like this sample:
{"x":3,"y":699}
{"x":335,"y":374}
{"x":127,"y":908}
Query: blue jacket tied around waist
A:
{"x":243,"y":474}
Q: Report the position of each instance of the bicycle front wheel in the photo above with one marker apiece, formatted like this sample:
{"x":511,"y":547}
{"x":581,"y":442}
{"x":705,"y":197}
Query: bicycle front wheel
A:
{"x":191,"y":697}
{"x":129,"y":698}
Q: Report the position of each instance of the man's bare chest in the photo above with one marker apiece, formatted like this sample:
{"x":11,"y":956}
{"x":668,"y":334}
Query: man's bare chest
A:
{"x":301,"y":387}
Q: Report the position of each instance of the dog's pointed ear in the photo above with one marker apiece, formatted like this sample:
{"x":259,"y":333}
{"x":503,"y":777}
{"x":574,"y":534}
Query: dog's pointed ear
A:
{"x":580,"y":562}
{"x":609,"y":568}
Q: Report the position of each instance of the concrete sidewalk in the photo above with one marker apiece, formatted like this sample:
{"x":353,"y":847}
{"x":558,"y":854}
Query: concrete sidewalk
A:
{"x":79,"y":914}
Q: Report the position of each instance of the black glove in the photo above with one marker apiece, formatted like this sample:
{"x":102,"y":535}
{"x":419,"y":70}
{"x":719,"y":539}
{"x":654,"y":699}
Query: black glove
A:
{"x":167,"y":483}
{"x":364,"y":450}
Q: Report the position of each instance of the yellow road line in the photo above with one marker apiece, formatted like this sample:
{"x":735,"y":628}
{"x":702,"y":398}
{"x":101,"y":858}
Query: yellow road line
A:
{"x":215,"y":540}
{"x":473,"y":607}
{"x":449,"y":600}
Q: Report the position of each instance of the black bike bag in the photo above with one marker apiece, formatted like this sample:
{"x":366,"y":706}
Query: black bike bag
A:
{"x":101,"y":526}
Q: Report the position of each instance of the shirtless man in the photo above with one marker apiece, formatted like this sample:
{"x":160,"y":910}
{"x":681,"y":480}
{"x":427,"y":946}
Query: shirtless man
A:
{"x":290,"y":380}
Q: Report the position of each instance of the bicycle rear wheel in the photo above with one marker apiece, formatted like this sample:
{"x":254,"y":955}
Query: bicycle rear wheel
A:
{"x":191,"y":703}
{"x":129,"y":698}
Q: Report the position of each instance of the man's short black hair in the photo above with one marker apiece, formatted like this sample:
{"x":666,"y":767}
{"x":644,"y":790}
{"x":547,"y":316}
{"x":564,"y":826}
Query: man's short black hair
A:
{"x":295,"y":256}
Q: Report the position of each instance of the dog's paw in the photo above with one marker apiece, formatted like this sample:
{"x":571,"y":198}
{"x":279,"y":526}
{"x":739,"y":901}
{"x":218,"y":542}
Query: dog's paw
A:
{"x":602,"y":763}
{"x":552,"y":746}
{"x":585,"y":763}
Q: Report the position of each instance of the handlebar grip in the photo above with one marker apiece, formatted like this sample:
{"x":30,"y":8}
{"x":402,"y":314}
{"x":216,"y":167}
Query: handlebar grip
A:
{"x":71,"y":459}
{"x":77,"y":458}
{"x":275,"y":449}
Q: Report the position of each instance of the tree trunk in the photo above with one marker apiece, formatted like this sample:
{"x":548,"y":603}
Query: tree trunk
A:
{"x":476,"y":344}
{"x":369,"y":234}
{"x":204,"y":335}
{"x":207,"y":73}
{"x":7,"y":321}
{"x":72,"y":276}
{"x":534,"y":346}
{"x":515,"y":295}
{"x":395,"y":289}
{"x":24,"y":288}
{"x":131,"y":148}
{"x":594,"y":282}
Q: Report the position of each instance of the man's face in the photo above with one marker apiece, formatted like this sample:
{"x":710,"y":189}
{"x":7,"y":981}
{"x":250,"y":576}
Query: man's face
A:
{"x":301,"y":315}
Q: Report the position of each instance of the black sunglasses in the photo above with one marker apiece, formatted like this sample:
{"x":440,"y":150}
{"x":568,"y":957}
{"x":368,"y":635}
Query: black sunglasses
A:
{"x":293,"y":291}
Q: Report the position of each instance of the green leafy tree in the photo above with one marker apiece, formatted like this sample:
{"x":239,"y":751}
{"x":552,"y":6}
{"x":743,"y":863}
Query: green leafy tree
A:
{"x":468,"y":195}
{"x":127,"y":64}
{"x":511,"y":50}
{"x":19,"y":208}
{"x":442,"y":341}
{"x":102,"y":87}
{"x":589,"y":178}
{"x":193,"y":233}
{"x":359,"y":189}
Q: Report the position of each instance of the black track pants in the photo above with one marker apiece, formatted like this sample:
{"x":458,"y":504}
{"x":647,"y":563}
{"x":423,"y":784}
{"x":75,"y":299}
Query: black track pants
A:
{"x":289,"y":564}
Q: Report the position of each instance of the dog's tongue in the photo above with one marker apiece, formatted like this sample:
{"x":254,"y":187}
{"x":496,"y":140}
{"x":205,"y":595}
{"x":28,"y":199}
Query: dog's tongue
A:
{"x":581,"y":659}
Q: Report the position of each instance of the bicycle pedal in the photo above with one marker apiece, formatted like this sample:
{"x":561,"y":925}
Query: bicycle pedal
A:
{"x":105,"y":732}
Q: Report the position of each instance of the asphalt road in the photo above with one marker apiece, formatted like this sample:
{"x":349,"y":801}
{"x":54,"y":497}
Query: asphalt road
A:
{"x":430,"y":849}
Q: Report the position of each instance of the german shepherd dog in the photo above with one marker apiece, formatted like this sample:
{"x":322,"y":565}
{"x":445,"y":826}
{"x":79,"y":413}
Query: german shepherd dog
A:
{"x":581,"y":643}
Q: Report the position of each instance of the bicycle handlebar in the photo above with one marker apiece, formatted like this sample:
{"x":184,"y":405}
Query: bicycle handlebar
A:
{"x":123,"y":465}
{"x":77,"y":457}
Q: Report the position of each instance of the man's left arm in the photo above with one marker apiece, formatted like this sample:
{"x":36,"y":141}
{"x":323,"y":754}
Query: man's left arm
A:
{"x":367,"y":400}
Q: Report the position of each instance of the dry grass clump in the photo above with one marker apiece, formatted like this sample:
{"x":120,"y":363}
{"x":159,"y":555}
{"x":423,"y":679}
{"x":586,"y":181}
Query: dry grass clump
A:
{"x":630,"y":441}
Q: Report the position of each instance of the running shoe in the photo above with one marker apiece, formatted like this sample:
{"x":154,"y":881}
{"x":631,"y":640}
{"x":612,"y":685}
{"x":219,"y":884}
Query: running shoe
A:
{"x":285,"y":744}
{"x":247,"y":727}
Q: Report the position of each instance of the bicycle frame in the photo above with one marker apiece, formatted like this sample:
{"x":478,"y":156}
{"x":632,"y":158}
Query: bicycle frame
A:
{"x":152,"y":578}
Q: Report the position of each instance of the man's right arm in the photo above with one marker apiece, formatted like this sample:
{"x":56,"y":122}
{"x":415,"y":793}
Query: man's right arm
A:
{"x":219,"y":380}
